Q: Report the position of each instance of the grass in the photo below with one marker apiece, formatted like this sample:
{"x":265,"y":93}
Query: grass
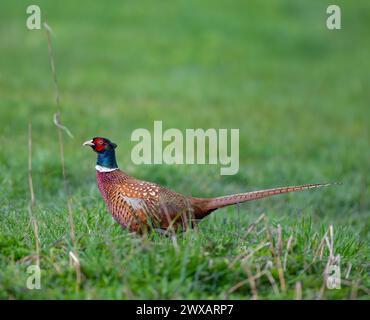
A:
{"x":297,"y":92}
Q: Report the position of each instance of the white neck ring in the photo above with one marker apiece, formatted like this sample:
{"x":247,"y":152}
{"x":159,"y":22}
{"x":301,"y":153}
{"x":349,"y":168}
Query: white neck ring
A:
{"x":104,"y":169}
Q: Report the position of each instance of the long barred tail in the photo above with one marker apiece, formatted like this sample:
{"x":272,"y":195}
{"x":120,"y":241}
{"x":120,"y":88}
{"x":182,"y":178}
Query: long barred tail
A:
{"x":215,"y":203}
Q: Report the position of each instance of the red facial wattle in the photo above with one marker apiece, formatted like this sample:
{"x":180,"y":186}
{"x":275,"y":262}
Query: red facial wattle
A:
{"x":99,"y":144}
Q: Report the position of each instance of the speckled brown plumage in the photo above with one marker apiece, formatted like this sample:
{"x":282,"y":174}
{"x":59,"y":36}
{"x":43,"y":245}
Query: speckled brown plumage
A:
{"x":140,"y":205}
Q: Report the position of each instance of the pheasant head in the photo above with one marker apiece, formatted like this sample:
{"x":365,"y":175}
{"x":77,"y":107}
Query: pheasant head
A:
{"x":105,"y":151}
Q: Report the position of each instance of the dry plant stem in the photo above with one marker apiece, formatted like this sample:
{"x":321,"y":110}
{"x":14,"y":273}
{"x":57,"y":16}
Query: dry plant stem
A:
{"x":32,"y":197}
{"x":240,"y":257}
{"x":237,"y":286}
{"x":331,"y":259}
{"x":276,"y":255}
{"x":60,"y":127}
{"x":320,"y":248}
{"x":272,"y":281}
{"x":355,"y":285}
{"x":331,"y":232}
{"x":348,"y":270}
{"x":245,"y":281}
{"x":251,"y":227}
{"x":321,"y":292}
{"x":330,"y":243}
{"x":30,"y":182}
{"x":298,"y":291}
{"x":252,"y":282}
{"x":259,"y":247}
{"x":354,"y":291}
{"x":279,"y":245}
{"x":287,"y":251}
{"x":278,"y":261}
{"x":254,"y":224}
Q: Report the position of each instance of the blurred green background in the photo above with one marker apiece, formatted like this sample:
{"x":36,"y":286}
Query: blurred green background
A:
{"x":298,"y":92}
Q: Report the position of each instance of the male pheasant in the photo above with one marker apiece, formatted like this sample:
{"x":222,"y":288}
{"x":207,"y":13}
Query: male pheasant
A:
{"x":140,"y":205}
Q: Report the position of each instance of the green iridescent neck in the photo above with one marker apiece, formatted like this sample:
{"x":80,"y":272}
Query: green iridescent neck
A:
{"x":107,"y":159}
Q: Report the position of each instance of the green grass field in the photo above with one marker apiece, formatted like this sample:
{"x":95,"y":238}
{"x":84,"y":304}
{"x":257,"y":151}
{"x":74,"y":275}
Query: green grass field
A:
{"x":297,"y":91}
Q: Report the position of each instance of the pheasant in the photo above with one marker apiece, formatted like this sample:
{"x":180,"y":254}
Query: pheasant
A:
{"x":140,"y":206}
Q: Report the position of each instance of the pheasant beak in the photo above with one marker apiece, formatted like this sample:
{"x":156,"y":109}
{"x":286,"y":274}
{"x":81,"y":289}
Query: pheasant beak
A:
{"x":88,"y":143}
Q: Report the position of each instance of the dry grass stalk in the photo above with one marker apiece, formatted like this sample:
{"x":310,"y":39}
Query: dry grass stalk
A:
{"x":348,"y":270}
{"x":239,"y":257}
{"x":259,"y":247}
{"x":278,"y":260}
{"x":276,"y":255}
{"x":332,"y":260}
{"x":258,"y":270}
{"x":263,"y":230}
{"x":321,"y":292}
{"x":290,"y":240}
{"x":31,"y":204}
{"x":279,"y":245}
{"x":30,"y":182}
{"x":269,"y":237}
{"x":73,"y":259}
{"x":320,"y":249}
{"x":245,"y":281}
{"x":269,"y":264}
{"x":354,"y":291}
{"x":272,"y":281}
{"x":60,"y":127}
{"x":331,"y":232}
{"x":237,"y":286}
{"x":252,"y":282}
{"x":329,"y":247}
{"x":356,"y":286}
{"x":254,"y":224}
{"x":298,"y":291}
